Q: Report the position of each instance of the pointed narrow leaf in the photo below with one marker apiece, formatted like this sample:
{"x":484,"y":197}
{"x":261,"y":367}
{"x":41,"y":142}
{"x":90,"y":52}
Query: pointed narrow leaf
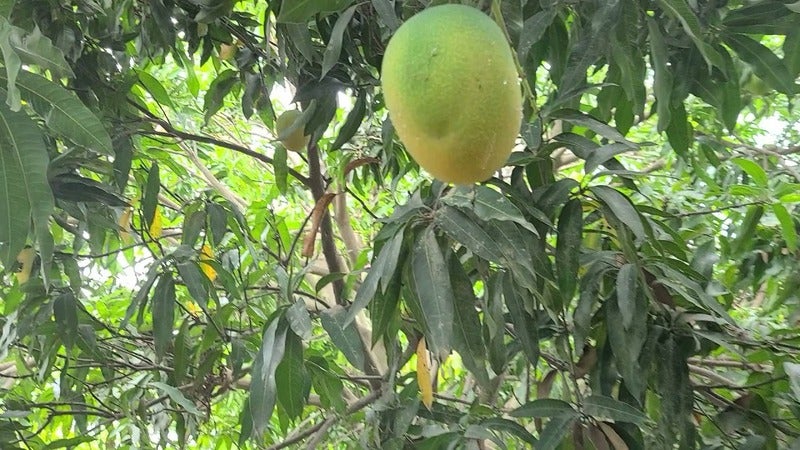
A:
{"x":764,"y":62}
{"x":25,"y":190}
{"x":344,"y":337}
{"x":752,"y":169}
{"x":525,"y":326}
{"x":150,"y":198}
{"x":381,"y":272}
{"x":568,"y":247}
{"x":177,"y":396}
{"x":509,"y":426}
{"x":37,"y":49}
{"x":432,"y":284}
{"x":334,"y":47}
{"x":262,"y":386}
{"x":544,"y":407}
{"x":462,"y":229}
{"x":663,"y":76}
{"x":554,"y":432}
{"x":292,"y":381}
{"x":467,"y":332}
{"x":627,"y":293}
{"x":163,"y":313}
{"x":63,"y":112}
{"x":155,"y":88}
{"x":787,"y":226}
{"x":488,"y":204}
{"x":622,"y":208}
{"x":602,"y":407}
{"x":681,"y":10}
{"x":352,"y":122}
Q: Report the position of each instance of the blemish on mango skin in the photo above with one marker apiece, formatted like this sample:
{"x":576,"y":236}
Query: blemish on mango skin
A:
{"x":445,"y":78}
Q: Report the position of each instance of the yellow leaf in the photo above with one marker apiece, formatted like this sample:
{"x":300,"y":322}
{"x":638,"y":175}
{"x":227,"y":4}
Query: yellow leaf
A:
{"x":156,"y":226}
{"x":25,"y":260}
{"x":125,"y":225}
{"x":424,"y":379}
{"x":193,"y":309}
{"x":207,"y":254}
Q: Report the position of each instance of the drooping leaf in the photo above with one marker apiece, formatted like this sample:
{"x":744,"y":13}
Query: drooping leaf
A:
{"x":681,"y":10}
{"x":262,"y":386}
{"x":163,"y":313}
{"x":461,"y":228}
{"x":467,"y":332}
{"x":301,"y":11}
{"x":26,"y":192}
{"x":554,"y":432}
{"x":150,"y":198}
{"x":525,"y":325}
{"x":382,"y":272}
{"x":544,"y":407}
{"x":787,"y":226}
{"x":344,"y":336}
{"x":487,"y":204}
{"x":568,"y":246}
{"x":334,"y":47}
{"x":663,"y":77}
{"x":765,"y":64}
{"x":177,"y":396}
{"x":424,"y":376}
{"x":63,"y":112}
{"x":352,"y":122}
{"x":65,"y":311}
{"x":622,"y":208}
{"x":292,"y":381}
{"x":628,"y":297}
{"x":155,"y":88}
{"x":610,"y":408}
{"x":431,"y":281}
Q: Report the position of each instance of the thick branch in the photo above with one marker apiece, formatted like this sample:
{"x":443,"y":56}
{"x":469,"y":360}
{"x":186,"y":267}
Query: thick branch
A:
{"x":317,"y":184}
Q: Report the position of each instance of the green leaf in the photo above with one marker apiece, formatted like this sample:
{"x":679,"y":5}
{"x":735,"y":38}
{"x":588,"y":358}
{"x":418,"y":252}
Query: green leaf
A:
{"x":627,"y":344}
{"x":63,"y":112}
{"x":663,"y":76}
{"x":326,"y":383}
{"x":787,"y":226}
{"x":791,"y":52}
{"x":581,"y":119}
{"x":334,"y":47}
{"x":301,"y":11}
{"x":544,"y":407}
{"x":602,"y":154}
{"x":293,"y":383}
{"x":526,"y":328}
{"x":352,"y":122}
{"x":628,"y":294}
{"x":431,"y":281}
{"x":691,"y":24}
{"x":382,"y":271}
{"x":65,"y":311}
{"x":622,"y":208}
{"x":385,"y":10}
{"x":467,"y":331}
{"x":679,"y":132}
{"x":555,"y":430}
{"x":196,"y":282}
{"x":744,"y":235}
{"x":299,"y":319}
{"x":23,"y":182}
{"x":568,"y":247}
{"x":12,"y":63}
{"x":68,"y":443}
{"x":533,"y":30}
{"x":462,"y":229}
{"x":262,"y":385}
{"x":488,"y":204}
{"x":163,"y":314}
{"x":150,"y":198}
{"x":793,"y":372}
{"x":281,"y":168}
{"x":764,"y":62}
{"x":177,"y":396}
{"x":344,"y":337}
{"x":603,"y":407}
{"x":37,"y":49}
{"x":755,"y":171}
{"x":155,"y":88}
{"x":509,"y":426}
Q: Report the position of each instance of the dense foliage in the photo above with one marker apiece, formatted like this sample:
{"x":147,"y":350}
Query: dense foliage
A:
{"x":172,"y":277}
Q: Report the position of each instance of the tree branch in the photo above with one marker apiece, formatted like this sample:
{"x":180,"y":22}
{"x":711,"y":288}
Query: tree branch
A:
{"x":317,"y":184}
{"x":319,"y":429}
